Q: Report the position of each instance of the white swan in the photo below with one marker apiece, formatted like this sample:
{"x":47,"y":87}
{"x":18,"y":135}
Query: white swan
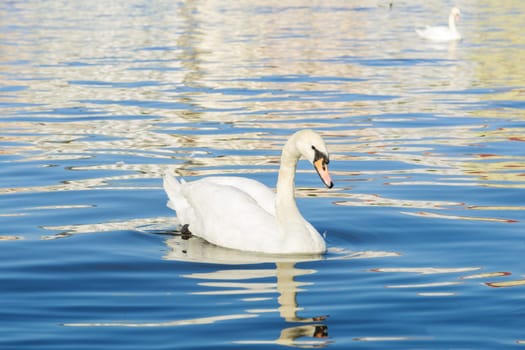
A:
{"x":244,"y":214}
{"x":449,"y":33}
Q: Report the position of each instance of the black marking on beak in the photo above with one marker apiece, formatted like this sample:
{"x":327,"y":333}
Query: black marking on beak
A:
{"x":320,"y":155}
{"x":321,"y":161}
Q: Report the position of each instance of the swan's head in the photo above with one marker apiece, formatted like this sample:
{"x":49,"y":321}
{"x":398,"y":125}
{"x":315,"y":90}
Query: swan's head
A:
{"x":455,"y":13}
{"x":312,"y":147}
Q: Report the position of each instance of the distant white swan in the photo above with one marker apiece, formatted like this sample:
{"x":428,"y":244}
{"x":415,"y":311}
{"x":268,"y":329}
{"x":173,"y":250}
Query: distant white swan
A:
{"x":449,"y":33}
{"x":244,"y":214}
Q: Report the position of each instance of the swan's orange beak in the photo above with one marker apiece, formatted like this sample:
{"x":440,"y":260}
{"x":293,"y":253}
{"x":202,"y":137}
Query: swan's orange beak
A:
{"x":321,"y":166}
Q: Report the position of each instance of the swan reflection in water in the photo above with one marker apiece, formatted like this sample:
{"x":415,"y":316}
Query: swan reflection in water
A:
{"x":234,"y":281}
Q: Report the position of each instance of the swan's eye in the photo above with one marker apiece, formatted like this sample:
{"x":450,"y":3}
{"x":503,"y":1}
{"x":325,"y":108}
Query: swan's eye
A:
{"x":321,"y":155}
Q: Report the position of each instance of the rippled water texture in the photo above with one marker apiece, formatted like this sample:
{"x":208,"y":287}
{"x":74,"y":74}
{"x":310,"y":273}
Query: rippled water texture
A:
{"x":425,"y":226}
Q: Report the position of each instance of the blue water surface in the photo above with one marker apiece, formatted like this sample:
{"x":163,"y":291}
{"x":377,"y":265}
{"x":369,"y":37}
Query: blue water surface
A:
{"x":424,"y":227}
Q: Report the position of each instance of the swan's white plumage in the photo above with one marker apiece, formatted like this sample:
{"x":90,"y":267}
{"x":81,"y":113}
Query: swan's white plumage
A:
{"x":184,"y":196}
{"x":441,"y":33}
{"x":244,"y":214}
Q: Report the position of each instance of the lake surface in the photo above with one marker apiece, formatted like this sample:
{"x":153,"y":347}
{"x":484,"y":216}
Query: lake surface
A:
{"x":425,"y":226}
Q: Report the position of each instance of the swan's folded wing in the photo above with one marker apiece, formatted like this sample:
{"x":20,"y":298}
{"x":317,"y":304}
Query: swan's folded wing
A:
{"x":438,"y":33}
{"x":259,"y":192}
{"x":230,"y":217}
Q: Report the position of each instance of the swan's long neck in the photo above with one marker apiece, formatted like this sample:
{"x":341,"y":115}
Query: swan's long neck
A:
{"x":452,"y":23}
{"x":285,"y":207}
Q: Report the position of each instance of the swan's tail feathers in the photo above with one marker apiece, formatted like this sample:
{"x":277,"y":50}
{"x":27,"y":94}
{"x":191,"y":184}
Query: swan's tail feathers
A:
{"x":176,"y":199}
{"x":172,"y":188}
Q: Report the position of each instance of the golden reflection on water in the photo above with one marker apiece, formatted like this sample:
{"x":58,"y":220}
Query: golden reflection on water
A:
{"x":496,"y":64}
{"x":450,"y":283}
{"x":197,"y":52}
{"x":207,"y":75}
{"x":460,"y":217}
{"x":63,"y":141}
